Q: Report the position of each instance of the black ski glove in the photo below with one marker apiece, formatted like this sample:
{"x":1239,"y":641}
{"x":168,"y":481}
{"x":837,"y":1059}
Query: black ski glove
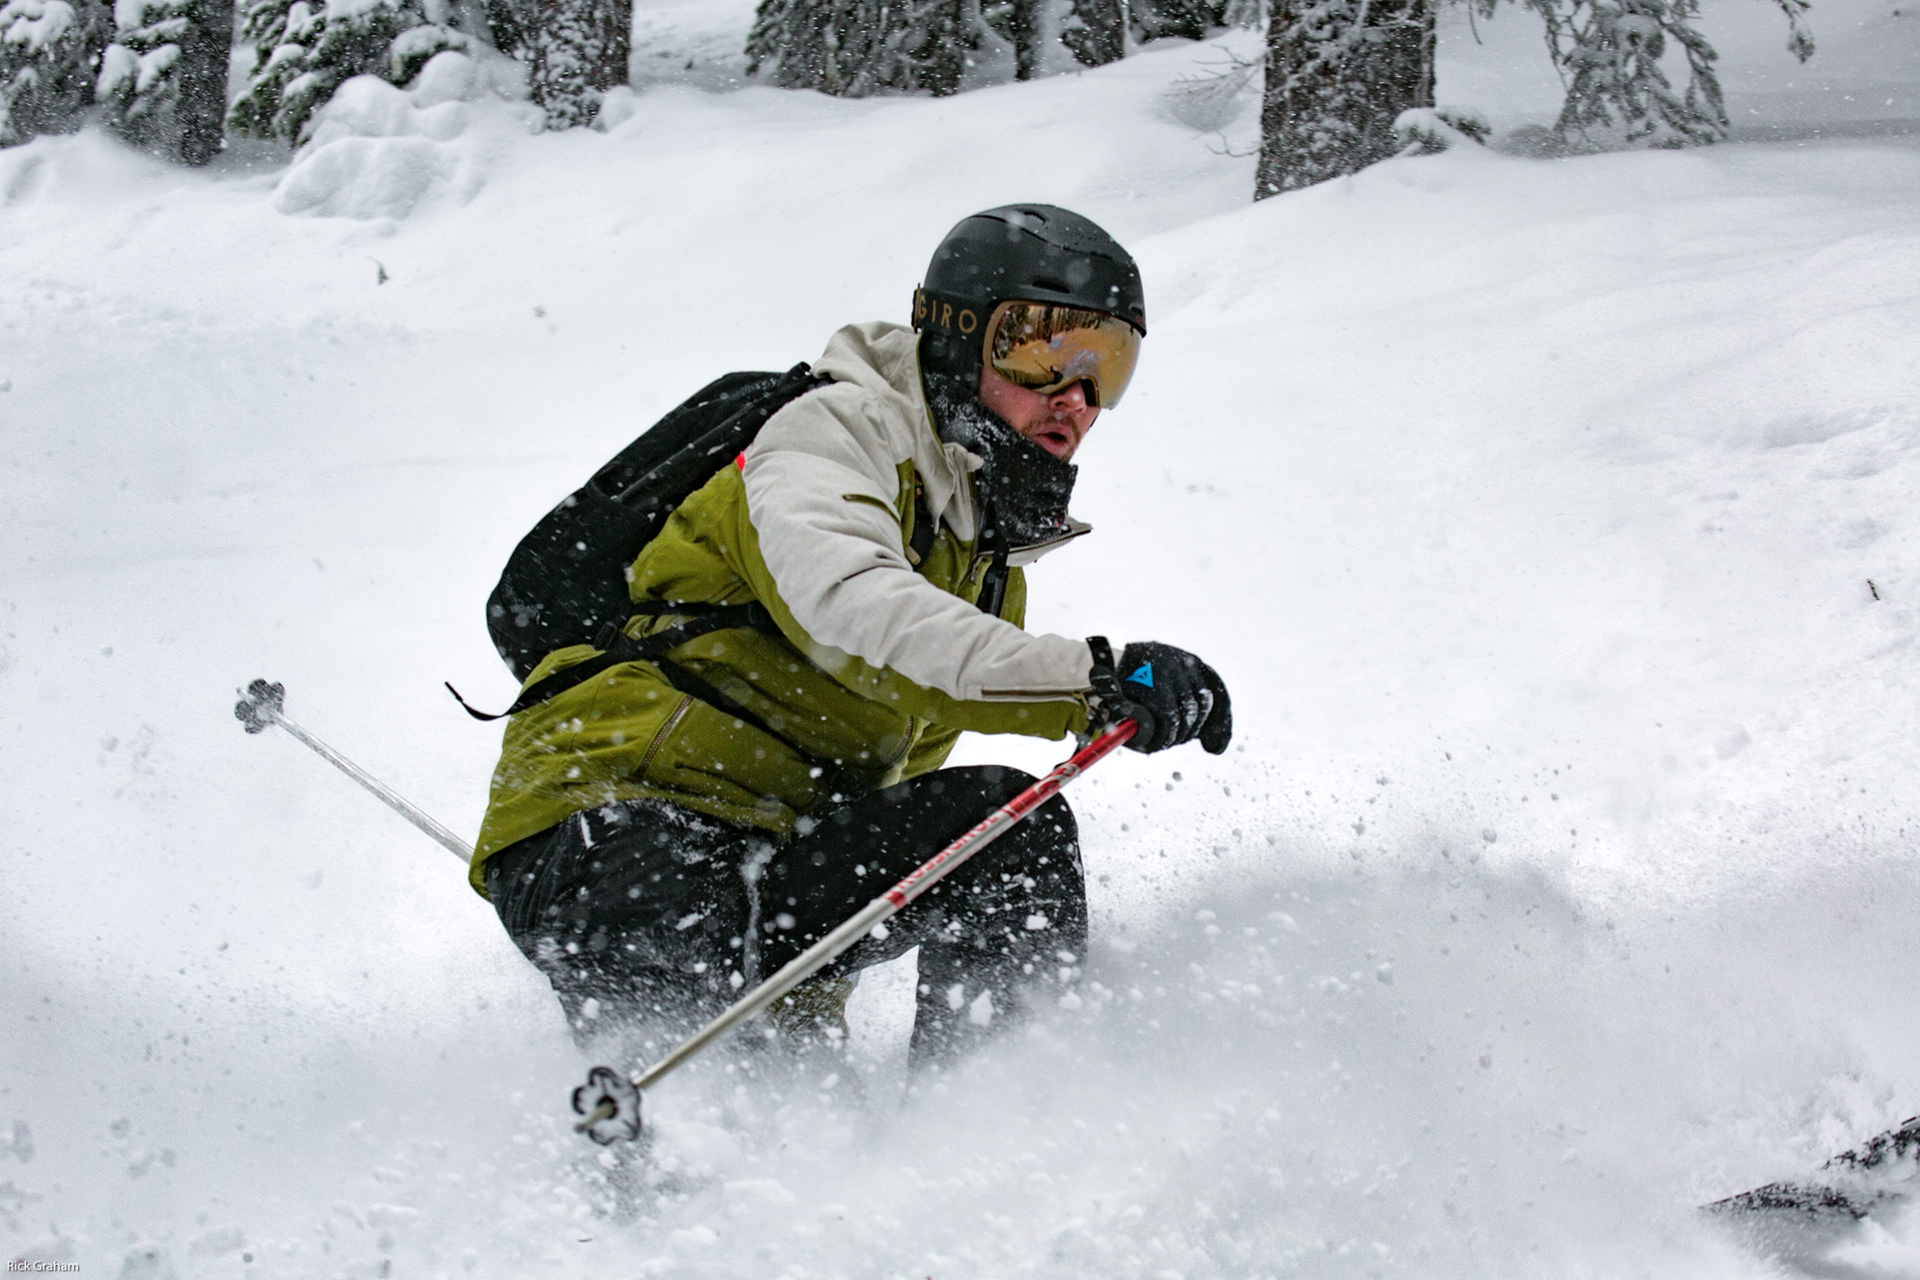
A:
{"x":1172,"y":695}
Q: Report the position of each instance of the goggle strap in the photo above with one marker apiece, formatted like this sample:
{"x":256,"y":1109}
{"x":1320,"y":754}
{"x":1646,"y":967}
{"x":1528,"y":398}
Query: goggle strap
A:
{"x":935,"y":311}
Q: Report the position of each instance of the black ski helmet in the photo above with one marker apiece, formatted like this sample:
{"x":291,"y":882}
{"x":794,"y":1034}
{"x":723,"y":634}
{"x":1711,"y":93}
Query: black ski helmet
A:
{"x":1023,"y":252}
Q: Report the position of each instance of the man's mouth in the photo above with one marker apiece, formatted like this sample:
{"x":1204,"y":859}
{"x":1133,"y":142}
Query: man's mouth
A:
{"x":1056,"y":438}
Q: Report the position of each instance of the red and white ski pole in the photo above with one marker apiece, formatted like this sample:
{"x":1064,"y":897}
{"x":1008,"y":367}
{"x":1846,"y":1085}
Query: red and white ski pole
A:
{"x":610,"y":1104}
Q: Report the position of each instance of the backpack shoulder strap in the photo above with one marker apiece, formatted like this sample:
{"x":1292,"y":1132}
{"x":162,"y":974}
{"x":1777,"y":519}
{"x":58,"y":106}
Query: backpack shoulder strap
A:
{"x":921,"y":540}
{"x":993,"y":588}
{"x":617,"y":647}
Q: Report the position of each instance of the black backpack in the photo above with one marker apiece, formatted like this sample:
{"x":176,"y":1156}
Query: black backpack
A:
{"x":566,"y":583}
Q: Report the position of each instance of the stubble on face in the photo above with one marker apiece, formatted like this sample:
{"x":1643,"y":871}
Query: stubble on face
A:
{"x":1057,"y":422}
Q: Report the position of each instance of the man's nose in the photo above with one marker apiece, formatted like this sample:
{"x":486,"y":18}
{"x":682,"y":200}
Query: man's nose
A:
{"x":1072,"y":399}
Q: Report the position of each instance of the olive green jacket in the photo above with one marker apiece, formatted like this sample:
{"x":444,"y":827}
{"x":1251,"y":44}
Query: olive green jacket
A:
{"x":880,"y":662}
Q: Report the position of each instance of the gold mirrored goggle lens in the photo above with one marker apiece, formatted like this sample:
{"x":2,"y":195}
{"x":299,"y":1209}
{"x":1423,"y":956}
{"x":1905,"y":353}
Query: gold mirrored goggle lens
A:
{"x":1049,"y":348}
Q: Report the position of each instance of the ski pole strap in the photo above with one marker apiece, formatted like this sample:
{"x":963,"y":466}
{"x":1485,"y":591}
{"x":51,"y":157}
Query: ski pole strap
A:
{"x":1102,"y":651}
{"x":1107,"y":702}
{"x":1104,"y":679}
{"x":617,"y":647}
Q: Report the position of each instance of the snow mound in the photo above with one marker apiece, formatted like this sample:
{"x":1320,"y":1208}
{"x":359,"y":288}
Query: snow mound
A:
{"x":364,"y":178}
{"x":1431,"y":130}
{"x":378,"y":151}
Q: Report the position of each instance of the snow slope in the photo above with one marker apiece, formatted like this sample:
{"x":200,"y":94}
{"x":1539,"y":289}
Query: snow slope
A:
{"x":1553,"y":521}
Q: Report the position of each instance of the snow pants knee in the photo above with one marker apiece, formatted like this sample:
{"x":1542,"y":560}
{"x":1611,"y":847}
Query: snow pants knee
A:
{"x":644,"y":910}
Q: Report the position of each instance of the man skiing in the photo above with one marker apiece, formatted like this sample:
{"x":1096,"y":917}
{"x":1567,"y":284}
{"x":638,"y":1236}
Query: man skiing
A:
{"x":668,"y":832}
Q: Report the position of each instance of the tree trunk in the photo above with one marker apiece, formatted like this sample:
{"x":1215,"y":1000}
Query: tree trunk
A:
{"x":1338,"y":74}
{"x":510,"y":25}
{"x":579,"y":51}
{"x":1027,"y":34}
{"x":200,"y":114}
{"x":933,"y":56}
{"x":1096,"y":32}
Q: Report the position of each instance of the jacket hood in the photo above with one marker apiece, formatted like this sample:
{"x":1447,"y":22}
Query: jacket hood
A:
{"x":884,"y":359}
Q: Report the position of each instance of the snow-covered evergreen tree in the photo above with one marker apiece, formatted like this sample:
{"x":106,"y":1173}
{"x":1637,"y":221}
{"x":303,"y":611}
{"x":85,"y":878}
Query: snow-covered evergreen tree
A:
{"x":1339,"y":73}
{"x":1022,"y":24}
{"x":49,"y":50}
{"x":1095,"y":31}
{"x":510,"y":25}
{"x":1609,"y":53}
{"x":576,"y":51}
{"x":852,"y":48}
{"x":1193,"y":19}
{"x":307,"y":48}
{"x":163,"y":80}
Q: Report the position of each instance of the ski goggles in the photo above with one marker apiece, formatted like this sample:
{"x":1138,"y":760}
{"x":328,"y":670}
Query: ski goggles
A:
{"x":1048,"y":348}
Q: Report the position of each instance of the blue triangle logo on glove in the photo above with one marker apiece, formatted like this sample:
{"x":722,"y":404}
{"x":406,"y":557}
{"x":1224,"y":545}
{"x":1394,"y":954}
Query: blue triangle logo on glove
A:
{"x":1143,"y":676}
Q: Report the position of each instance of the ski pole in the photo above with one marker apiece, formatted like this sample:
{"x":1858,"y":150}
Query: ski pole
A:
{"x":610,"y":1105}
{"x":259,"y":709}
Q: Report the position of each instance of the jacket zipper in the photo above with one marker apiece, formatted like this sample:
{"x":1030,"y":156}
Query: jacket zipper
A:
{"x":673,"y":721}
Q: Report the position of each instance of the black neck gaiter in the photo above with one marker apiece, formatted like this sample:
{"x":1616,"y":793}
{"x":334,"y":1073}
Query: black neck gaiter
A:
{"x":1024,"y":487}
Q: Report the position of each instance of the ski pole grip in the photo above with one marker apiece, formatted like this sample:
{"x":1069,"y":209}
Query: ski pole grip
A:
{"x":260,"y":706}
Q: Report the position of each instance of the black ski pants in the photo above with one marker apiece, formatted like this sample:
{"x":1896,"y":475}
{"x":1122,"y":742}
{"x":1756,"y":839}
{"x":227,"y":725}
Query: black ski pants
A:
{"x":644,"y":911}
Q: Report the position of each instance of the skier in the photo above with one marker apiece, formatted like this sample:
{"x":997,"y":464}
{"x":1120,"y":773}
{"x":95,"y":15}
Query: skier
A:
{"x":669,"y":832}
